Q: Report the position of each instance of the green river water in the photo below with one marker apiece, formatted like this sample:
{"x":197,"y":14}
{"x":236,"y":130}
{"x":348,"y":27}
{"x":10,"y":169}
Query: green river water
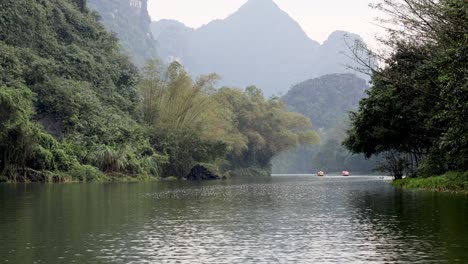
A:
{"x":295,"y":219}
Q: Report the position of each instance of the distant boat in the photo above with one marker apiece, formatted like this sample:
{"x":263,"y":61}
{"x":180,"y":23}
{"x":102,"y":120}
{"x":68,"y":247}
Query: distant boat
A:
{"x":320,"y":173}
{"x":345,"y":173}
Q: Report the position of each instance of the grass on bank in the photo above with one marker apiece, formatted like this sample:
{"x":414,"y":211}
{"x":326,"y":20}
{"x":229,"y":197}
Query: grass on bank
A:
{"x":81,"y":173}
{"x":450,"y":181}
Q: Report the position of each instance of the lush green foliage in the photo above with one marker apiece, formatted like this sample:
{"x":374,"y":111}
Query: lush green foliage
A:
{"x":70,"y":105}
{"x":16,"y":129}
{"x":86,"y":173}
{"x":193,"y":123}
{"x":450,"y":181}
{"x":186,"y":121}
{"x":268,"y":127}
{"x":418,"y":103}
{"x":67,"y":93}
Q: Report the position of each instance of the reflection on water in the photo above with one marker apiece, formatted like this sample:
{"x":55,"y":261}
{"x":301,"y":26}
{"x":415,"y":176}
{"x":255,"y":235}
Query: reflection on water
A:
{"x":265,"y":220}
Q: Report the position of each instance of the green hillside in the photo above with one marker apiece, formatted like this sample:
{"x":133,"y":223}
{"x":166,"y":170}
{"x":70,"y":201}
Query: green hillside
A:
{"x":327,"y":100}
{"x":73,"y":107}
{"x":69,"y":91}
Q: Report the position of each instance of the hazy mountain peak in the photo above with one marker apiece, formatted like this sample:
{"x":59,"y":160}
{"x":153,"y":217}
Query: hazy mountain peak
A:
{"x":262,"y":21}
{"x":263,"y":10}
{"x":258,"y":44}
{"x":260,"y":4}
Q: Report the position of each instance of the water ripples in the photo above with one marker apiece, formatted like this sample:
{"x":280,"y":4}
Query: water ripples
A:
{"x":279,"y":220}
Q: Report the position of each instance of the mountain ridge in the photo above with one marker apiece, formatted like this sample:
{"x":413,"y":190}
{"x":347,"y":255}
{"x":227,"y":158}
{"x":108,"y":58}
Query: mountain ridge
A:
{"x":313,"y":97}
{"x":130,"y":21}
{"x":259,"y":44}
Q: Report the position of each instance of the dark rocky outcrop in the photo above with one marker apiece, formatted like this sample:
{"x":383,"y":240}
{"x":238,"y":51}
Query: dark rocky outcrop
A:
{"x":30,"y":175}
{"x":200,"y":173}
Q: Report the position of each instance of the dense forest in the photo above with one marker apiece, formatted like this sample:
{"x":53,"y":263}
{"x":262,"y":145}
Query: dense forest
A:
{"x":416,"y":112}
{"x":74,"y":108}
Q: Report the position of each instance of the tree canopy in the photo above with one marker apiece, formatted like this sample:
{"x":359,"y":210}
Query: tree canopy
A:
{"x":230,"y":128}
{"x":418,"y":102}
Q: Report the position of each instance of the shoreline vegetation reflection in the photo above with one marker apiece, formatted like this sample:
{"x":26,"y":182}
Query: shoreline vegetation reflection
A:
{"x":261,"y":220}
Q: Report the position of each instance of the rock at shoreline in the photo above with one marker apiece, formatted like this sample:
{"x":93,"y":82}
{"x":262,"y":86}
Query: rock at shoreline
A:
{"x":200,"y":173}
{"x":30,"y":175}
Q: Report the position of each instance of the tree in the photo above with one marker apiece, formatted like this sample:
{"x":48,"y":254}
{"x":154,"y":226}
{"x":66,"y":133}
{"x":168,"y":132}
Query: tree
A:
{"x":268,"y":127}
{"x":16,"y":133}
{"x":185,"y":117}
{"x":418,"y":103}
{"x":68,"y":94}
{"x":228,"y":129}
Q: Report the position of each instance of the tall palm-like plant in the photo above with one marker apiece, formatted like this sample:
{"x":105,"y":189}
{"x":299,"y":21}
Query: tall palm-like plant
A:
{"x":172,"y":100}
{"x":109,"y":159}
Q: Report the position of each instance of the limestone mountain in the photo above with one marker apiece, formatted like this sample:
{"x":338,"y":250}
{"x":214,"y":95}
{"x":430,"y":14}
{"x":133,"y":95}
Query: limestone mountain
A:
{"x":335,"y":56}
{"x":172,"y":40}
{"x":326,"y":100}
{"x":259,"y":44}
{"x":130,"y":21}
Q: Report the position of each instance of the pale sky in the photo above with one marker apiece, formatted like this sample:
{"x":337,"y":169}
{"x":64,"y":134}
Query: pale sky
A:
{"x":318,"y":18}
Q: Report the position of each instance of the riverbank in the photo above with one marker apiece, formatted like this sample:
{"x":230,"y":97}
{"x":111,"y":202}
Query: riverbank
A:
{"x":451,"y":181}
{"x":87,"y":173}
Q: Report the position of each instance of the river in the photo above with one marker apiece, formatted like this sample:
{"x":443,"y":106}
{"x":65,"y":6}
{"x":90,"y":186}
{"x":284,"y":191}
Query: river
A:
{"x":296,"y":219}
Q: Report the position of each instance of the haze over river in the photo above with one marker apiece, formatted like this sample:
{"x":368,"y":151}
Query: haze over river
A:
{"x":294,"y":219}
